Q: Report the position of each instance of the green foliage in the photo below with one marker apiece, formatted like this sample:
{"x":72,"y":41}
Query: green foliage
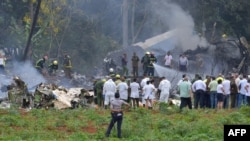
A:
{"x":78,"y":136}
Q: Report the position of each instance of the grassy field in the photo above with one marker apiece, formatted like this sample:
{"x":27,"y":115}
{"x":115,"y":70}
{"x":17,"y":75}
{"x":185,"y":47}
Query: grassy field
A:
{"x":138,"y":125}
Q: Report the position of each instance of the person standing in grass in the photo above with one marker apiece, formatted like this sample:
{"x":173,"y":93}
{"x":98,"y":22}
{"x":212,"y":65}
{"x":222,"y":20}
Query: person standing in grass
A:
{"x":109,"y":89}
{"x":199,"y":88}
{"x":149,"y":90}
{"x":117,"y":114}
{"x":233,"y":92}
{"x":185,"y":93}
{"x":247,"y":88}
{"x":213,"y":92}
{"x":143,"y":83}
{"x":226,"y":85}
{"x":134,"y":86}
{"x":164,"y":87}
{"x":122,"y":88}
{"x":220,"y":94}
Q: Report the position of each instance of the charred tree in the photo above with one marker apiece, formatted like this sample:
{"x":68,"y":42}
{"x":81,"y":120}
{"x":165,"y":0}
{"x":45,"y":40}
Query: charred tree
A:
{"x":27,"y":48}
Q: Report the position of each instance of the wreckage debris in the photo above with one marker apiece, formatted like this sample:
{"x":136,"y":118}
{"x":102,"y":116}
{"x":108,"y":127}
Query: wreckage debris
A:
{"x":48,"y":95}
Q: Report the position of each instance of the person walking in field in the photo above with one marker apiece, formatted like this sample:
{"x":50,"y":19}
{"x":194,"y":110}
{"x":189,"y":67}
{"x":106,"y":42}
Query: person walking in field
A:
{"x":117,"y":115}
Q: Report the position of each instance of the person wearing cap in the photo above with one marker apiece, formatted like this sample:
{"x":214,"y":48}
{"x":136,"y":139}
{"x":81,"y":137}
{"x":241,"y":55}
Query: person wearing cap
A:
{"x":152,"y":60}
{"x":117,"y":115}
{"x":40,"y":64}
{"x":53,"y":67}
{"x":117,"y":79}
{"x":145,"y":62}
{"x":67,"y":66}
{"x":111,"y":73}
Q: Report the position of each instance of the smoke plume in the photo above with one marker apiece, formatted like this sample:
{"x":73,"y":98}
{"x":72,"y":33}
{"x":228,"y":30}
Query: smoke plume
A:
{"x":181,"y":22}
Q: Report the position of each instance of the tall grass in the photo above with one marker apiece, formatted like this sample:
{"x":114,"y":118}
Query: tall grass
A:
{"x":138,"y":125}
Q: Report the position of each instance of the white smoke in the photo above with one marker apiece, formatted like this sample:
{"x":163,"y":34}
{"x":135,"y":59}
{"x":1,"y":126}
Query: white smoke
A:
{"x":179,"y":20}
{"x":27,"y":72}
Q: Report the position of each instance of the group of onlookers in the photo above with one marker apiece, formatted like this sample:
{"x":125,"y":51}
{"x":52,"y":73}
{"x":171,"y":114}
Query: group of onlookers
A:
{"x":219,"y":92}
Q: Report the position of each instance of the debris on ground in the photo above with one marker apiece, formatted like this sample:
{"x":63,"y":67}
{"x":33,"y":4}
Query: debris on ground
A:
{"x":47,"y":95}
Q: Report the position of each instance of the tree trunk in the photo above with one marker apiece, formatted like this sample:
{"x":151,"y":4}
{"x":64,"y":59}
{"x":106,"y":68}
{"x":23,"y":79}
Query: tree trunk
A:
{"x":125,"y":24}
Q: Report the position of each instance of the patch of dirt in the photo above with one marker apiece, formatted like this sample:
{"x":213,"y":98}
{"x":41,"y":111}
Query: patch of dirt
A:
{"x":89,"y":129}
{"x":60,"y":128}
{"x":3,"y":113}
{"x":17,"y":128}
{"x":23,"y":112}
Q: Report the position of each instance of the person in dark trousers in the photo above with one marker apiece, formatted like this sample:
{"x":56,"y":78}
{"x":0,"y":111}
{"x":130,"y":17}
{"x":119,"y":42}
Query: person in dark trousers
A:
{"x":199,"y":88}
{"x":145,"y":62}
{"x":185,"y":93}
{"x":135,"y":60}
{"x":67,"y":66}
{"x":234,"y":92}
{"x":117,"y":114}
{"x":124,"y":65}
{"x":53,"y":67}
{"x":152,"y":60}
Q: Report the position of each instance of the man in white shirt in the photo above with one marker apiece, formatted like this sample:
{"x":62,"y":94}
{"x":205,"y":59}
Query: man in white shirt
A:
{"x":122,"y":88}
{"x":226,"y":86}
{"x":183,"y":63}
{"x":242,"y":91}
{"x":247,"y":88}
{"x":165,"y":87}
{"x":134,"y":86}
{"x":168,"y":60}
{"x":143,"y":83}
{"x":199,"y":87}
{"x":149,"y":91}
